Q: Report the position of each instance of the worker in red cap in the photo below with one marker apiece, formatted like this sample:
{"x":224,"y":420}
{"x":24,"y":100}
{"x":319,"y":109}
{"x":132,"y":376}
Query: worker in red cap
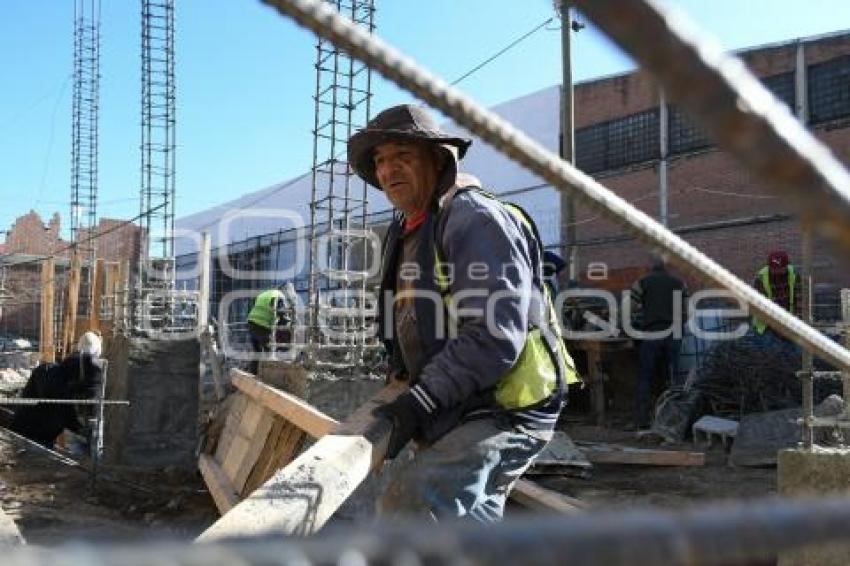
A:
{"x":779,"y":282}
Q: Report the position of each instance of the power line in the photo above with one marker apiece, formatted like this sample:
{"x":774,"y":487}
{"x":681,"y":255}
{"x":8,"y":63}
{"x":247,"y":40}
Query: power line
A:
{"x":511,"y":45}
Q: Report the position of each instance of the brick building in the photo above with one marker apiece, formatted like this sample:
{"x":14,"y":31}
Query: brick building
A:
{"x":712,"y":201}
{"x":28,"y":241}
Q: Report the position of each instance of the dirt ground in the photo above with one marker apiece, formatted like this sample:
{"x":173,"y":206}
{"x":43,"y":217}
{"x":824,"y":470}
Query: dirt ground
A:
{"x":53,"y":502}
{"x":620,"y":486}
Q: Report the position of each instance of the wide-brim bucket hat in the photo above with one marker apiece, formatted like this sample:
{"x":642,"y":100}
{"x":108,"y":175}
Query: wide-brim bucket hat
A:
{"x":406,"y":122}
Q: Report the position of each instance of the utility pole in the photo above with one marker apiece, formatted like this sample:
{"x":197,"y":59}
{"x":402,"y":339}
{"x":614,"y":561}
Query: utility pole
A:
{"x":569,"y":251}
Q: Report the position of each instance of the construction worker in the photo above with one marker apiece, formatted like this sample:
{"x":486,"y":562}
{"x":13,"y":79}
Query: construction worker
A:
{"x":75,"y":377}
{"x":654,"y":300}
{"x":553,"y":265}
{"x":466,"y":324}
{"x":272,"y":310}
{"x":779,"y":282}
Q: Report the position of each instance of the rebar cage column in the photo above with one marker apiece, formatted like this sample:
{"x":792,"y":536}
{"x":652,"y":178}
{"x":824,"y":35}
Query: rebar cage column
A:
{"x":158,"y":150}
{"x":84,"y":128}
{"x":338,"y":206}
{"x":158,"y":123}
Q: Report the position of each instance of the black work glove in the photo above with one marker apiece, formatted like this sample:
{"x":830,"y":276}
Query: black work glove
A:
{"x":406,"y":415}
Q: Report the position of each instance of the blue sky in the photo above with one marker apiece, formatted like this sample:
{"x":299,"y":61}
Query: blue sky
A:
{"x":245,"y":83}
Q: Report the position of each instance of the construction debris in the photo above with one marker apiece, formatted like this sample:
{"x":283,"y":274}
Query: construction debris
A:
{"x":737,"y":377}
{"x":598,"y":453}
{"x":709,"y":427}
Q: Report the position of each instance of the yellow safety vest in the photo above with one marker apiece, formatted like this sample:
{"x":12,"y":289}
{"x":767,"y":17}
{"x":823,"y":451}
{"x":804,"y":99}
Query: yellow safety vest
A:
{"x":263,"y":312}
{"x":534,"y":377}
{"x":764,"y":276}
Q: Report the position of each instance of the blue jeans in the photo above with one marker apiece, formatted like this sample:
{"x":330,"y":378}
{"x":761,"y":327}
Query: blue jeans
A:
{"x":654,"y":355}
{"x":467,"y":473}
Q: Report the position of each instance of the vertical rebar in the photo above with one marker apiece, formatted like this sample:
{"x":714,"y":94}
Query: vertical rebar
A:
{"x":158,"y":154}
{"x":84,"y":128}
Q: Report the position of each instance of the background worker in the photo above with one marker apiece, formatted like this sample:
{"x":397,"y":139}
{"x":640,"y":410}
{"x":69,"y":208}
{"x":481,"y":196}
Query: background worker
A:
{"x":483,"y":400}
{"x":779,"y":281}
{"x":76,"y":377}
{"x":272,"y":309}
{"x":655,"y":298}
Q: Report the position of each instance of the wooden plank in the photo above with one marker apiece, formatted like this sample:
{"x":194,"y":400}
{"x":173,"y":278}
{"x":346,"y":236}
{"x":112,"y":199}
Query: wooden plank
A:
{"x":295,"y":410}
{"x":69,"y":321}
{"x":231,"y":425}
{"x":257,"y":441}
{"x":301,"y":497}
{"x":96,"y":294}
{"x":10,"y":535}
{"x":533,"y":496}
{"x":262,"y":469}
{"x":122,"y":290}
{"x":46,"y":335}
{"x":242,"y":441}
{"x":283,"y":450}
{"x":204,"y":255}
{"x":612,"y":454}
{"x":223,"y":494}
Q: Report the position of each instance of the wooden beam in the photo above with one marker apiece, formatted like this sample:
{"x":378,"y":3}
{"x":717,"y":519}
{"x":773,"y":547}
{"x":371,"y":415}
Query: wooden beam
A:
{"x":69,"y":321}
{"x":295,"y":410}
{"x":46,"y":336}
{"x":122,"y":294}
{"x":533,"y":496}
{"x":204,"y":282}
{"x":223,"y":493}
{"x":611,"y":454}
{"x":301,"y":497}
{"x":97,"y":277}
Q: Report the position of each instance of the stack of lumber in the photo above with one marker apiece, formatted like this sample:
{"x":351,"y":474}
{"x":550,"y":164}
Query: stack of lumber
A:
{"x":263,"y":431}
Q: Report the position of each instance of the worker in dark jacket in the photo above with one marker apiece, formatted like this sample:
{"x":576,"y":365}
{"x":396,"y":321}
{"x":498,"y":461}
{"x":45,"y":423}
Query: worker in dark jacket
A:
{"x":74,"y":378}
{"x":465,"y":321}
{"x":656,"y":298}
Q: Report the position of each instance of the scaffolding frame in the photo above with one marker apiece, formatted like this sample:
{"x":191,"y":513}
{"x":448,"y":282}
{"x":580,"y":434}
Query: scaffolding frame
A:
{"x":338,"y":203}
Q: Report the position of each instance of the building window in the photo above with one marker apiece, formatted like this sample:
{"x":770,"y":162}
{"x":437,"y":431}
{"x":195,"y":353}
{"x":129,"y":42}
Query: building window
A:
{"x":829,"y":90}
{"x":616,"y":143}
{"x":782,"y":87}
{"x":685,"y":135}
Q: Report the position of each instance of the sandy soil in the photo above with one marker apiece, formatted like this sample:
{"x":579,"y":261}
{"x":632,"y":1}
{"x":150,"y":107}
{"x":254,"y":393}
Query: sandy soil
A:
{"x":53,"y":502}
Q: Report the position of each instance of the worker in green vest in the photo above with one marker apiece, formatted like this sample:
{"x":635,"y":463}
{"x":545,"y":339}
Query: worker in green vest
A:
{"x":779,"y":282}
{"x":272,"y":310}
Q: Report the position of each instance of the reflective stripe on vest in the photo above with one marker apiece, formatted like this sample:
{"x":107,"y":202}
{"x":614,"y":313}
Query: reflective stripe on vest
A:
{"x":535,"y":375}
{"x":263,"y":312}
{"x":764,"y":276}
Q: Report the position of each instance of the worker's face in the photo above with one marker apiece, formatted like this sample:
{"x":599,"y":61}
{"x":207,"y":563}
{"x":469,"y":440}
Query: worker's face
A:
{"x":407,"y":172}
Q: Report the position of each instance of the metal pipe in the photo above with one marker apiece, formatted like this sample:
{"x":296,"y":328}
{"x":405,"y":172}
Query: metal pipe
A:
{"x":732,"y":106}
{"x":720,"y":534}
{"x":808,"y":381}
{"x":811,"y":156}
